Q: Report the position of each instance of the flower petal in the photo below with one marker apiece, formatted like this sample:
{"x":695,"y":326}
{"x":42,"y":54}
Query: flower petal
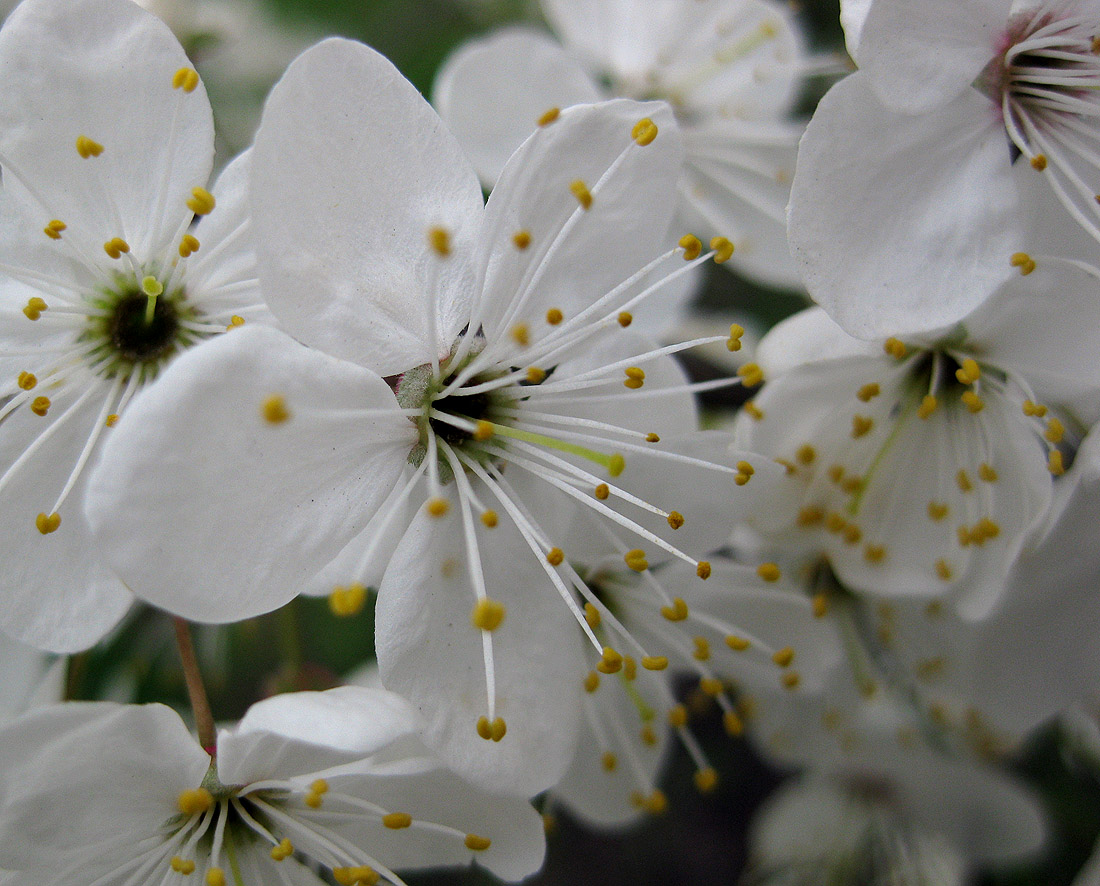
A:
{"x":351,"y":171}
{"x":182,"y":502}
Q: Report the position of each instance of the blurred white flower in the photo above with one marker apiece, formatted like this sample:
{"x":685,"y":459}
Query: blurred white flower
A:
{"x":113,"y":795}
{"x":104,"y":169}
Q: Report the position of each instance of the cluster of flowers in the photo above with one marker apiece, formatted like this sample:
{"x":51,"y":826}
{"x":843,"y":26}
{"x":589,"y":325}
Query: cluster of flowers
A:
{"x":341,"y":368}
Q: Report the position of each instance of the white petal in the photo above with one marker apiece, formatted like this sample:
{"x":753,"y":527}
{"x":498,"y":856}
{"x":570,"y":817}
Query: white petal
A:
{"x":853,"y":15}
{"x":300,"y":733}
{"x":575,"y":256}
{"x":491,"y":93}
{"x":351,"y":170}
{"x":807,"y":337}
{"x":429,"y":651}
{"x":902,"y":224}
{"x":182,"y":501}
{"x":919,"y":55}
{"x":102,"y":69}
{"x":77,"y":775}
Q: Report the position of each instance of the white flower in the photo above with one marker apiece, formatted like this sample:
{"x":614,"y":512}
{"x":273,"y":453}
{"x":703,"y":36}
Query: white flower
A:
{"x":100,"y":794}
{"x":106,"y":143}
{"x":919,"y":468}
{"x":907,"y":202}
{"x":503,"y":329}
{"x":730,"y":70}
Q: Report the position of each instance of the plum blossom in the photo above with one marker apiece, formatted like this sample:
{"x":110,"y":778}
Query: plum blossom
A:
{"x":730,"y":70}
{"x":109,"y":794}
{"x":503,"y":329}
{"x":104,"y":280}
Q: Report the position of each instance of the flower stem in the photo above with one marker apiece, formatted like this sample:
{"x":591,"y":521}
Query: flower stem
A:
{"x":196,"y":691}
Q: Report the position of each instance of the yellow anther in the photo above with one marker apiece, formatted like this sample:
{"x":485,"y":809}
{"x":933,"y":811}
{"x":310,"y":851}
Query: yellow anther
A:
{"x":357,"y":876}
{"x":1055,"y":464}
{"x":835,"y":473}
{"x":969,"y":372}
{"x":349,"y":601}
{"x":654,"y":662}
{"x":753,"y":411}
{"x":648,"y":736}
{"x":861,"y":425}
{"x":987,"y":473}
{"x":737,"y":644}
{"x":943,"y":570}
{"x":580,"y":190}
{"x":1038,"y":162}
{"x":711,"y":686}
{"x":40,"y":405}
{"x":439,"y":239}
{"x":521,"y":240}
{"x":188,"y":245}
{"x":494,"y":731}
{"x":835,"y":522}
{"x":768,"y":571}
{"x":54,"y":228}
{"x":962,"y":480}
{"x":397,"y":820}
{"x":602,"y":491}
{"x":873,"y":553}
{"x":810,"y":515}
{"x":27,"y":380}
{"x":548,"y":116}
{"x":437,"y":507}
{"x":625,"y":318}
{"x":183,"y":866}
{"x":678,"y":716}
{"x":783,"y":657}
{"x":675,"y":519}
{"x":274,"y":410}
{"x":489,"y":519}
{"x":112,"y":420}
{"x":895,"y":348}
{"x":973,"y":401}
{"x":535,"y":375}
{"x":820,"y":603}
{"x":656,"y":803}
{"x":937,"y":510}
{"x":702,"y":569}
{"x":927,"y":406}
{"x":319,"y":786}
{"x":868,"y":392}
{"x":852,"y":484}
{"x":116,"y":247}
{"x":1023,"y":261}
{"x":487,"y":614}
{"x":1055,"y":431}
{"x":609,"y":761}
{"x":483,"y":430}
{"x":702,"y":649}
{"x":635,"y":559}
{"x":592,"y":615}
{"x":751,"y":375}
{"x":733,"y":343}
{"x":691,"y":246}
{"x":723,"y":250}
{"x":644,"y":131}
{"x":611,"y":662}
{"x":555,"y":557}
{"x":1034,"y":409}
{"x":706,"y":780}
{"x":732,"y":724}
{"x":741,"y":478}
{"x":476,"y":843}
{"x":283,"y":850}
{"x":234,"y":322}
{"x":630,"y":669}
{"x":47,"y":523}
{"x":985,"y":528}
{"x":215,"y":877}
{"x":852,"y":534}
{"x":651,"y":437}
{"x":186,"y":79}
{"x":554,"y":316}
{"x":635,"y":377}
{"x":521,"y":335}
{"x":86,"y":147}
{"x":195,"y":801}
{"x":790,"y":679}
{"x":201,"y":201}
{"x":678,"y":611}
{"x":592,"y":682}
